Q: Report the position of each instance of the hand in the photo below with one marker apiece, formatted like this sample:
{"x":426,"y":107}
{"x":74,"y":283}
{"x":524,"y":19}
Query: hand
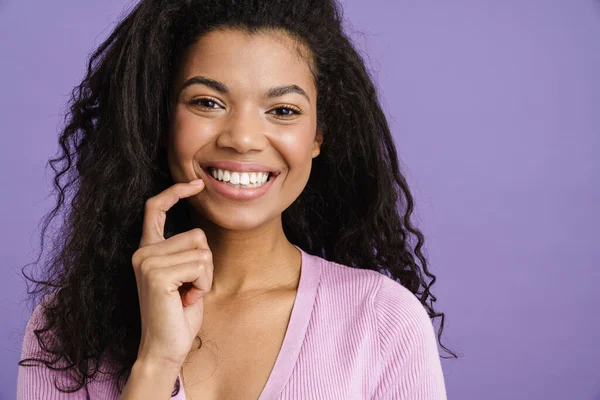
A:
{"x":172,"y":277}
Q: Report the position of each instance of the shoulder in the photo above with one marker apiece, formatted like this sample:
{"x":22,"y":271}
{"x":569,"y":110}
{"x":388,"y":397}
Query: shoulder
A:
{"x":405,"y":348}
{"x":394,"y":309}
{"x":35,"y":379}
{"x":410,"y":365}
{"x":43,"y":375}
{"x":394,"y":305}
{"x":339,"y":279}
{"x":31,"y":347}
{"x":346,"y":294}
{"x":398,"y":311}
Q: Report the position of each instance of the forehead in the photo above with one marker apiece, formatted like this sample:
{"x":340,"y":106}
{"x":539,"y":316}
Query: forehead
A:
{"x":249,"y":60}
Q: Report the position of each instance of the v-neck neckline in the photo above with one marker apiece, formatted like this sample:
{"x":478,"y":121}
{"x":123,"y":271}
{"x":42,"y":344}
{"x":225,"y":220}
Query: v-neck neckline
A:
{"x":310,"y":274}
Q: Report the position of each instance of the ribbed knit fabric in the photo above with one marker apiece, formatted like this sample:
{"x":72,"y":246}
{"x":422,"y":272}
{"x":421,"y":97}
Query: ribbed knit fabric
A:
{"x":353,"y":334}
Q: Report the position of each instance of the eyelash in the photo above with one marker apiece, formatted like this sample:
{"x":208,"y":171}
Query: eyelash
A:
{"x":296,"y":110}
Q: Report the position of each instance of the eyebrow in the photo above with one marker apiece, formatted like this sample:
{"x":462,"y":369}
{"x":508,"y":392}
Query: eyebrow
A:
{"x":222,"y":88}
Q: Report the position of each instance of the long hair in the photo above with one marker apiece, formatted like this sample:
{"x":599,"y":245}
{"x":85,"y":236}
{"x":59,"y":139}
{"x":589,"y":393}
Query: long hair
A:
{"x":355,"y":210}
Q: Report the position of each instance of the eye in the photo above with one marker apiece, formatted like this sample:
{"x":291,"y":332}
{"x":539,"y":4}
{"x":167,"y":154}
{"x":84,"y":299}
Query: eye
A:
{"x":205,"y":102}
{"x":286,"y":111}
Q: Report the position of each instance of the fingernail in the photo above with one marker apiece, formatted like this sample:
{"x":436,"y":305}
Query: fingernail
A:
{"x":196,"y":182}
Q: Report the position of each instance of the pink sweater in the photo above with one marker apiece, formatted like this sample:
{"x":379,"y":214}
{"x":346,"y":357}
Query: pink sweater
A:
{"x":353,"y":334}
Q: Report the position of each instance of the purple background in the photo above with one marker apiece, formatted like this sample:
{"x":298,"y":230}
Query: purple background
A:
{"x":495,"y":106}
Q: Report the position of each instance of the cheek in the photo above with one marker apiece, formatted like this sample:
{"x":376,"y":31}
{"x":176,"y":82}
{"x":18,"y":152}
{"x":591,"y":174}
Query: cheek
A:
{"x":188,"y":134}
{"x":296,"y":146}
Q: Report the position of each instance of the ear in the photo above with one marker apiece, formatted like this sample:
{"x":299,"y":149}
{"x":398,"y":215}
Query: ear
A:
{"x":317,"y":143}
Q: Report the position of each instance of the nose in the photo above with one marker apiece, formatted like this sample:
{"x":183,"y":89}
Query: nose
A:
{"x":244,"y":131}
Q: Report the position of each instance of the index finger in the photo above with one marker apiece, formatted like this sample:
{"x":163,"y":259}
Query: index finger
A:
{"x":155,"y":210}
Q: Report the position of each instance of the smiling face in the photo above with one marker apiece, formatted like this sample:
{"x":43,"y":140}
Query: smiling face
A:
{"x":244,"y":109}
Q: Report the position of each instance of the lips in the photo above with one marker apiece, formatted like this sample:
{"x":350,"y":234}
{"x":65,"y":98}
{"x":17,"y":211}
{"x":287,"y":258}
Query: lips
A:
{"x":237,"y":193}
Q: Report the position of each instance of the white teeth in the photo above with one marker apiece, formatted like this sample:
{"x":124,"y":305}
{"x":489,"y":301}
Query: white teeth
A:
{"x":240,"y":179}
{"x":244,"y":178}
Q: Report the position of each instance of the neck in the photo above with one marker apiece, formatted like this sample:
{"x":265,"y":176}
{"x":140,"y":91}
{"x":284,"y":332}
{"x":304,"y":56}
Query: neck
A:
{"x":256,"y":260}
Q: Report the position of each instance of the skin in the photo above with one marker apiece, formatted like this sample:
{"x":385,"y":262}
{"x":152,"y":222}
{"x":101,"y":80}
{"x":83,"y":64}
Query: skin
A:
{"x":250,"y":251}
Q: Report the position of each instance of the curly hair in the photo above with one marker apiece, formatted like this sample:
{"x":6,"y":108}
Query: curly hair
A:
{"x":355,"y":209}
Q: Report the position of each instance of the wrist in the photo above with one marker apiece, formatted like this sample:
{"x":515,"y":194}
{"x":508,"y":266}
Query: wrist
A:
{"x":153,"y":368}
{"x":150,"y":379}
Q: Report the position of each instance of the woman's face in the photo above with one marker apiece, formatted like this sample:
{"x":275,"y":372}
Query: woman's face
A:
{"x":244,"y":109}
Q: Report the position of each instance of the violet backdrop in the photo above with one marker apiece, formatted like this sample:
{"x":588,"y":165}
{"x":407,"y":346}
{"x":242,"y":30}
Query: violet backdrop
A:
{"x":495,"y":108}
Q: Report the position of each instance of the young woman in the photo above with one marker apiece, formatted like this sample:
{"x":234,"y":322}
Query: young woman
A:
{"x":239,"y":227}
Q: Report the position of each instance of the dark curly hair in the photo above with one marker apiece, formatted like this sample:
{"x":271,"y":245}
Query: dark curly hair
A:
{"x":355,"y":210}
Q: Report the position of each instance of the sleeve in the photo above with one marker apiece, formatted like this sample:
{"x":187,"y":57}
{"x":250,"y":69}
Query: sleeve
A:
{"x":36,"y":381}
{"x":410,"y":367}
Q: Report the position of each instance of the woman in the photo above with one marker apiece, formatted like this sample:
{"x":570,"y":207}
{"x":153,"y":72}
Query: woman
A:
{"x":231,"y":162}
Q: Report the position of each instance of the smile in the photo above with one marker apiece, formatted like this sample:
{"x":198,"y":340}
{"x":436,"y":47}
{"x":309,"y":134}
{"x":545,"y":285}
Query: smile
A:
{"x":244,"y":190}
{"x":240,"y":179}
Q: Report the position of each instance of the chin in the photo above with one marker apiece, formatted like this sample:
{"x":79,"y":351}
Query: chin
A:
{"x":239,"y":220}
{"x":239,"y":224}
